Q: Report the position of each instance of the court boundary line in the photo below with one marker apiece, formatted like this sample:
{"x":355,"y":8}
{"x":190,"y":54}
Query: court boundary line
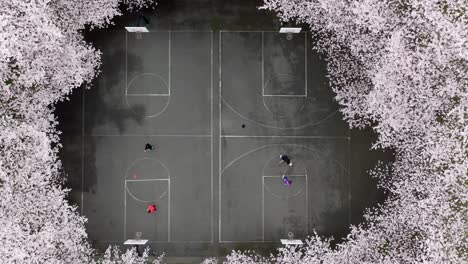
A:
{"x":258,"y":31}
{"x":168,"y":206}
{"x":263,"y":64}
{"x":176,"y":135}
{"x":346,"y":169}
{"x":220,"y":133}
{"x":190,"y":242}
{"x":82,"y":152}
{"x":155,"y":241}
{"x":349,"y":183}
{"x":147,"y":135}
{"x":148,"y":95}
{"x":155,"y":135}
{"x":286,"y":95}
{"x":143,"y":180}
{"x":168,"y":95}
{"x":263,"y":209}
{"x":211,"y":138}
{"x":251,"y":241}
{"x":140,"y":200}
{"x":149,"y":73}
{"x":288,"y":175}
{"x":172,"y":30}
{"x":313,"y":123}
{"x":284,"y":144}
{"x":305,"y":70}
{"x":306,"y":204}
{"x":305,"y":64}
{"x":285,"y":136}
{"x":328,"y":115}
{"x":169,"y":62}
{"x":152,"y":74}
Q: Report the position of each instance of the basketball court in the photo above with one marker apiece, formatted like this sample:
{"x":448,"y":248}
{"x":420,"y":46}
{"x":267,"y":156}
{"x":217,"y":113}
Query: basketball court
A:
{"x":161,"y":94}
{"x":281,"y":105}
{"x":219,"y":108}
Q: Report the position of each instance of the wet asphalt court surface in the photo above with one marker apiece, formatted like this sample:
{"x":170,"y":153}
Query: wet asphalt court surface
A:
{"x":219,"y":107}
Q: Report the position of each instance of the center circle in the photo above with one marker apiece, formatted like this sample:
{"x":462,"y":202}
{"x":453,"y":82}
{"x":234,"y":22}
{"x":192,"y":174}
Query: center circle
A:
{"x":283,"y":102}
{"x":272,"y":181}
{"x":146,"y":179}
{"x":147,"y":95}
{"x":282,"y":106}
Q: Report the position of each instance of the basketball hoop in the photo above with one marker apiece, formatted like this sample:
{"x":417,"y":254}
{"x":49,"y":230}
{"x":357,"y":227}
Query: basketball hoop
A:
{"x":138,"y":235}
{"x":290,"y":31}
{"x":291,"y":240}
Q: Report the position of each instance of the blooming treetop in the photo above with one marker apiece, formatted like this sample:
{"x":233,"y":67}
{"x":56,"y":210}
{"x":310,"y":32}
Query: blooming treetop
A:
{"x":43,"y":56}
{"x":401,"y":67}
{"x":114,"y":256}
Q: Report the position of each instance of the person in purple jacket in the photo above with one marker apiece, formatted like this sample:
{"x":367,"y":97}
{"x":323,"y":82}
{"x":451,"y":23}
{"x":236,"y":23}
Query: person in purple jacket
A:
{"x":286,"y":181}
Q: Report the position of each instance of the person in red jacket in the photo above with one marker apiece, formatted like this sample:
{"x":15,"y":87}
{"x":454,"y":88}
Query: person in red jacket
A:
{"x":151,"y":209}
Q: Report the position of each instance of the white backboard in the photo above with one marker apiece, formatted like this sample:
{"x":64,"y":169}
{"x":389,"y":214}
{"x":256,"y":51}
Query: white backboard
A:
{"x":136,"y":242}
{"x":290,"y":30}
{"x":136,"y":29}
{"x":291,"y":242}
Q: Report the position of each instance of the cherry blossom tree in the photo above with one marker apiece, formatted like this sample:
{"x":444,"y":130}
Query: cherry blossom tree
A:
{"x":400,"y":66}
{"x":113,"y":255}
{"x":43,"y":57}
{"x":240,"y":257}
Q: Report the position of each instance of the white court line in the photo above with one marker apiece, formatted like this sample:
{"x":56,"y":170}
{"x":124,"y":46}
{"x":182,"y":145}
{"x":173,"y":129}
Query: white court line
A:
{"x":349,"y":182}
{"x":307,"y":205}
{"x":220,"y":139}
{"x":126,"y":89}
{"x":143,"y":201}
{"x":125,"y":211}
{"x":169,"y":62}
{"x":284,"y":95}
{"x":156,"y":241}
{"x":248,"y":119}
{"x":82,"y":152}
{"x":169,"y":68}
{"x":305,"y":63}
{"x":263,"y":209}
{"x":211,"y":129}
{"x":283,"y":197}
{"x":162,"y":31}
{"x":148,"y":94}
{"x":126,"y":64}
{"x":305,"y":66}
{"x":285,"y":136}
{"x":146,"y":135}
{"x":169,"y":211}
{"x":263,"y":66}
{"x":251,"y":241}
{"x":168,"y":205}
{"x":274,"y":195}
{"x":275,"y":176}
{"x":147,"y":180}
{"x":256,"y":31}
{"x":275,"y":127}
{"x":271,"y":145}
{"x":284,"y":144}
{"x":179,"y":31}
